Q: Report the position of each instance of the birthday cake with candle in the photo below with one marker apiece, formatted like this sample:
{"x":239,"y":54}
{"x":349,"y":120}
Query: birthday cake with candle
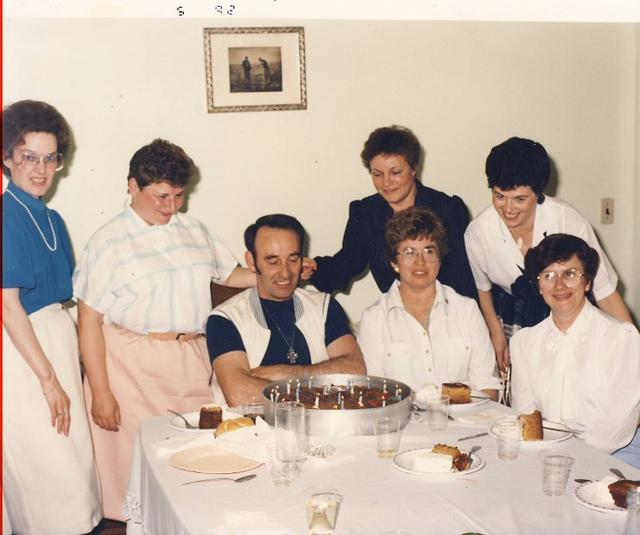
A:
{"x":338,"y":397}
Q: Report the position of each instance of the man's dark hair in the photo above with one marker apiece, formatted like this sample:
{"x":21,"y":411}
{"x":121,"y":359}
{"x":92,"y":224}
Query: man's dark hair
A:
{"x":278,"y":221}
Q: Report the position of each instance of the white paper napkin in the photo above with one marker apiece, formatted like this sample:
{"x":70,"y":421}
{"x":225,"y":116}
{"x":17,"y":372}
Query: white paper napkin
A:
{"x":171,"y":445}
{"x":249,"y":442}
{"x":483,"y":417}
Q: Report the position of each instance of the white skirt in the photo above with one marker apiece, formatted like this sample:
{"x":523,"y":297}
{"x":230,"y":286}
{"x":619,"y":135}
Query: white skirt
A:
{"x":50,"y":482}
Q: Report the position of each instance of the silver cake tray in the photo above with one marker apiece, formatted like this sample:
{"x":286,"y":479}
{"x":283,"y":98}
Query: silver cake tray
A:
{"x":335,"y":422}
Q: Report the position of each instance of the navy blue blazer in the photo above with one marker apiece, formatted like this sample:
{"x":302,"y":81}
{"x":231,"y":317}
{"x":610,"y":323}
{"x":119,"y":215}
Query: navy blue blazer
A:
{"x":363,"y":244}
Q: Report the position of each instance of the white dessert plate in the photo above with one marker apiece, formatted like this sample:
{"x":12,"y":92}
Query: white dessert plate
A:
{"x":208,"y":459}
{"x":592,"y":496}
{"x":404,"y":461}
{"x":479,"y":398}
{"x":549,"y":437}
{"x":194,"y":418}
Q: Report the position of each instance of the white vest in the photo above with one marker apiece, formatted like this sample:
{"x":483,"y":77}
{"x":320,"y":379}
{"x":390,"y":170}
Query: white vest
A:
{"x":245,"y":312}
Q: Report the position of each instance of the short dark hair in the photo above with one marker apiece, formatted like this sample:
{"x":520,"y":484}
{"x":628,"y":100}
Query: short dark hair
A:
{"x":26,"y":116}
{"x":161,"y":161}
{"x":412,"y":224}
{"x":518,"y":162}
{"x":560,"y":248}
{"x":279,"y":221}
{"x":392,"y":140}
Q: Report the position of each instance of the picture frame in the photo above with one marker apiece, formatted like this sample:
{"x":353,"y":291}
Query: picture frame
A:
{"x":255,"y":69}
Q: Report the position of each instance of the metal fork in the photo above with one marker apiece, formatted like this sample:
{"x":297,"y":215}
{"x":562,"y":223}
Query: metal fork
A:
{"x":187,"y":423}
{"x":617,"y":472}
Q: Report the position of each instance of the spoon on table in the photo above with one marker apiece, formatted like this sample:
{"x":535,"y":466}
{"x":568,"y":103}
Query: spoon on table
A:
{"x":235,"y":480}
{"x":617,"y":472}
{"x":187,"y":423}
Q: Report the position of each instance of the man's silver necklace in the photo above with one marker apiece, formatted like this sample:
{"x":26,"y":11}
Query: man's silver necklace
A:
{"x":55,"y":239}
{"x":292,"y":355}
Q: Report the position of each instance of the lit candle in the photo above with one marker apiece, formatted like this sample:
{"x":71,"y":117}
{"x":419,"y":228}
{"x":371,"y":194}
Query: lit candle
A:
{"x":289,"y":386}
{"x":316,"y":405}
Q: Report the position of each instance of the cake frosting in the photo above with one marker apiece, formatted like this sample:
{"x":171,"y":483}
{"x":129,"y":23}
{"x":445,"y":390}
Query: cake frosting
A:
{"x":428,"y":393}
{"x":439,"y":463}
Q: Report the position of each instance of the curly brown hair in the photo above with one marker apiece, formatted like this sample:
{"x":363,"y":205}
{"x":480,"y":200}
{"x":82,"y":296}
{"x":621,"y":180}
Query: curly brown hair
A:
{"x":26,"y":116}
{"x":412,"y":224}
{"x":392,"y":140}
{"x":161,"y":161}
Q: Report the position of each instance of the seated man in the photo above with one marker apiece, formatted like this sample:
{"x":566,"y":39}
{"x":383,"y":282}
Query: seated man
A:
{"x":277,"y":330}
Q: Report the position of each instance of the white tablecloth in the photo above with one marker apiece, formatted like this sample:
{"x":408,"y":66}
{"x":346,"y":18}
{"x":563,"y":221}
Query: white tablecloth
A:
{"x":503,"y":498}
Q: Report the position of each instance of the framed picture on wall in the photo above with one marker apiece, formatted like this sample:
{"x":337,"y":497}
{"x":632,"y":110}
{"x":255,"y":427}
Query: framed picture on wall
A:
{"x":255,"y":69}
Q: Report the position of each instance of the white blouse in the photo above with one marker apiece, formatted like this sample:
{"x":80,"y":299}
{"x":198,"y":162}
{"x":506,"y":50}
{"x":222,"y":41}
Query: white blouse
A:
{"x":495,"y":258}
{"x":456,"y":347}
{"x":152,"y":278}
{"x":587,"y":378}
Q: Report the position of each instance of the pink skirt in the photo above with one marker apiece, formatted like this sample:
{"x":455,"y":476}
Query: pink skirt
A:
{"x":147,"y":376}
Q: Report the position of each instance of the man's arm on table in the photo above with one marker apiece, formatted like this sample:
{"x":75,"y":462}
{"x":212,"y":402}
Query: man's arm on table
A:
{"x":239,"y":383}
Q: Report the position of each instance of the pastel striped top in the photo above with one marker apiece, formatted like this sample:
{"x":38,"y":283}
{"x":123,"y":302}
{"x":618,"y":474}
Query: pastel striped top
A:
{"x":152,"y":278}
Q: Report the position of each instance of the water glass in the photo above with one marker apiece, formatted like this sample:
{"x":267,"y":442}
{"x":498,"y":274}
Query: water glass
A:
{"x":387,"y":437}
{"x":322,"y":505}
{"x":290,"y":432}
{"x":508,"y":433}
{"x":555,"y":473}
{"x":438,"y":412}
{"x":282,"y":473}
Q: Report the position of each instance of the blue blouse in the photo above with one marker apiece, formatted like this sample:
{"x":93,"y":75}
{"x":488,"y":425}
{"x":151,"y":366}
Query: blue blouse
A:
{"x":42,"y":276}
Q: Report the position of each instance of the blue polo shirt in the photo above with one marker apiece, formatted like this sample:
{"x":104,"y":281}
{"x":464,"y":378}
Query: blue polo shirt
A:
{"x":43,"y":276}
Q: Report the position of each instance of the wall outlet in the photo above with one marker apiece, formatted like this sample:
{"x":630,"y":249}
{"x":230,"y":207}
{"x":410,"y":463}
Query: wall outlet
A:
{"x":606,"y":211}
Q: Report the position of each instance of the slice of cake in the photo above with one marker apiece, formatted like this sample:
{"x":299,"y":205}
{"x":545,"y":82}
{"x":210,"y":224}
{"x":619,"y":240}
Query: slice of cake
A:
{"x":210,"y":417}
{"x":531,"y":426}
{"x":619,"y":491}
{"x":447,"y":450}
{"x":456,"y":460}
{"x":435,"y":463}
{"x":458,"y":392}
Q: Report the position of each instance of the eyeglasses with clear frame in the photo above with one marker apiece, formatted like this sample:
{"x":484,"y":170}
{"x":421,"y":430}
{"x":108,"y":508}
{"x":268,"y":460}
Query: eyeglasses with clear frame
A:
{"x":31,"y":160}
{"x":570,"y":277}
{"x":428,"y":253}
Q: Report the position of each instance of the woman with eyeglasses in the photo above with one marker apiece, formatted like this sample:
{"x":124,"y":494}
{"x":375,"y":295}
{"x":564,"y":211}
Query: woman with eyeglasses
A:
{"x":521,"y":216}
{"x":49,"y":479}
{"x":579,"y":366}
{"x":422,"y":331}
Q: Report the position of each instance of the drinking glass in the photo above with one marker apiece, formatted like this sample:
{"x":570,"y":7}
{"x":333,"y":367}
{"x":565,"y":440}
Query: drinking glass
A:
{"x":387,"y":437}
{"x":290,"y":433}
{"x":508,"y":433}
{"x":322,"y":505}
{"x":555,"y":473}
{"x":438,"y":412}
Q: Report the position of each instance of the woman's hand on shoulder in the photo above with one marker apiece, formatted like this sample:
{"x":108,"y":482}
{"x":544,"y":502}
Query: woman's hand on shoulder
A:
{"x":309,"y":267}
{"x":59,"y":405}
{"x":105,"y":410}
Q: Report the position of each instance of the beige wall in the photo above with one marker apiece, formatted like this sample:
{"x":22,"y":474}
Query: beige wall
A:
{"x":461,"y":86}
